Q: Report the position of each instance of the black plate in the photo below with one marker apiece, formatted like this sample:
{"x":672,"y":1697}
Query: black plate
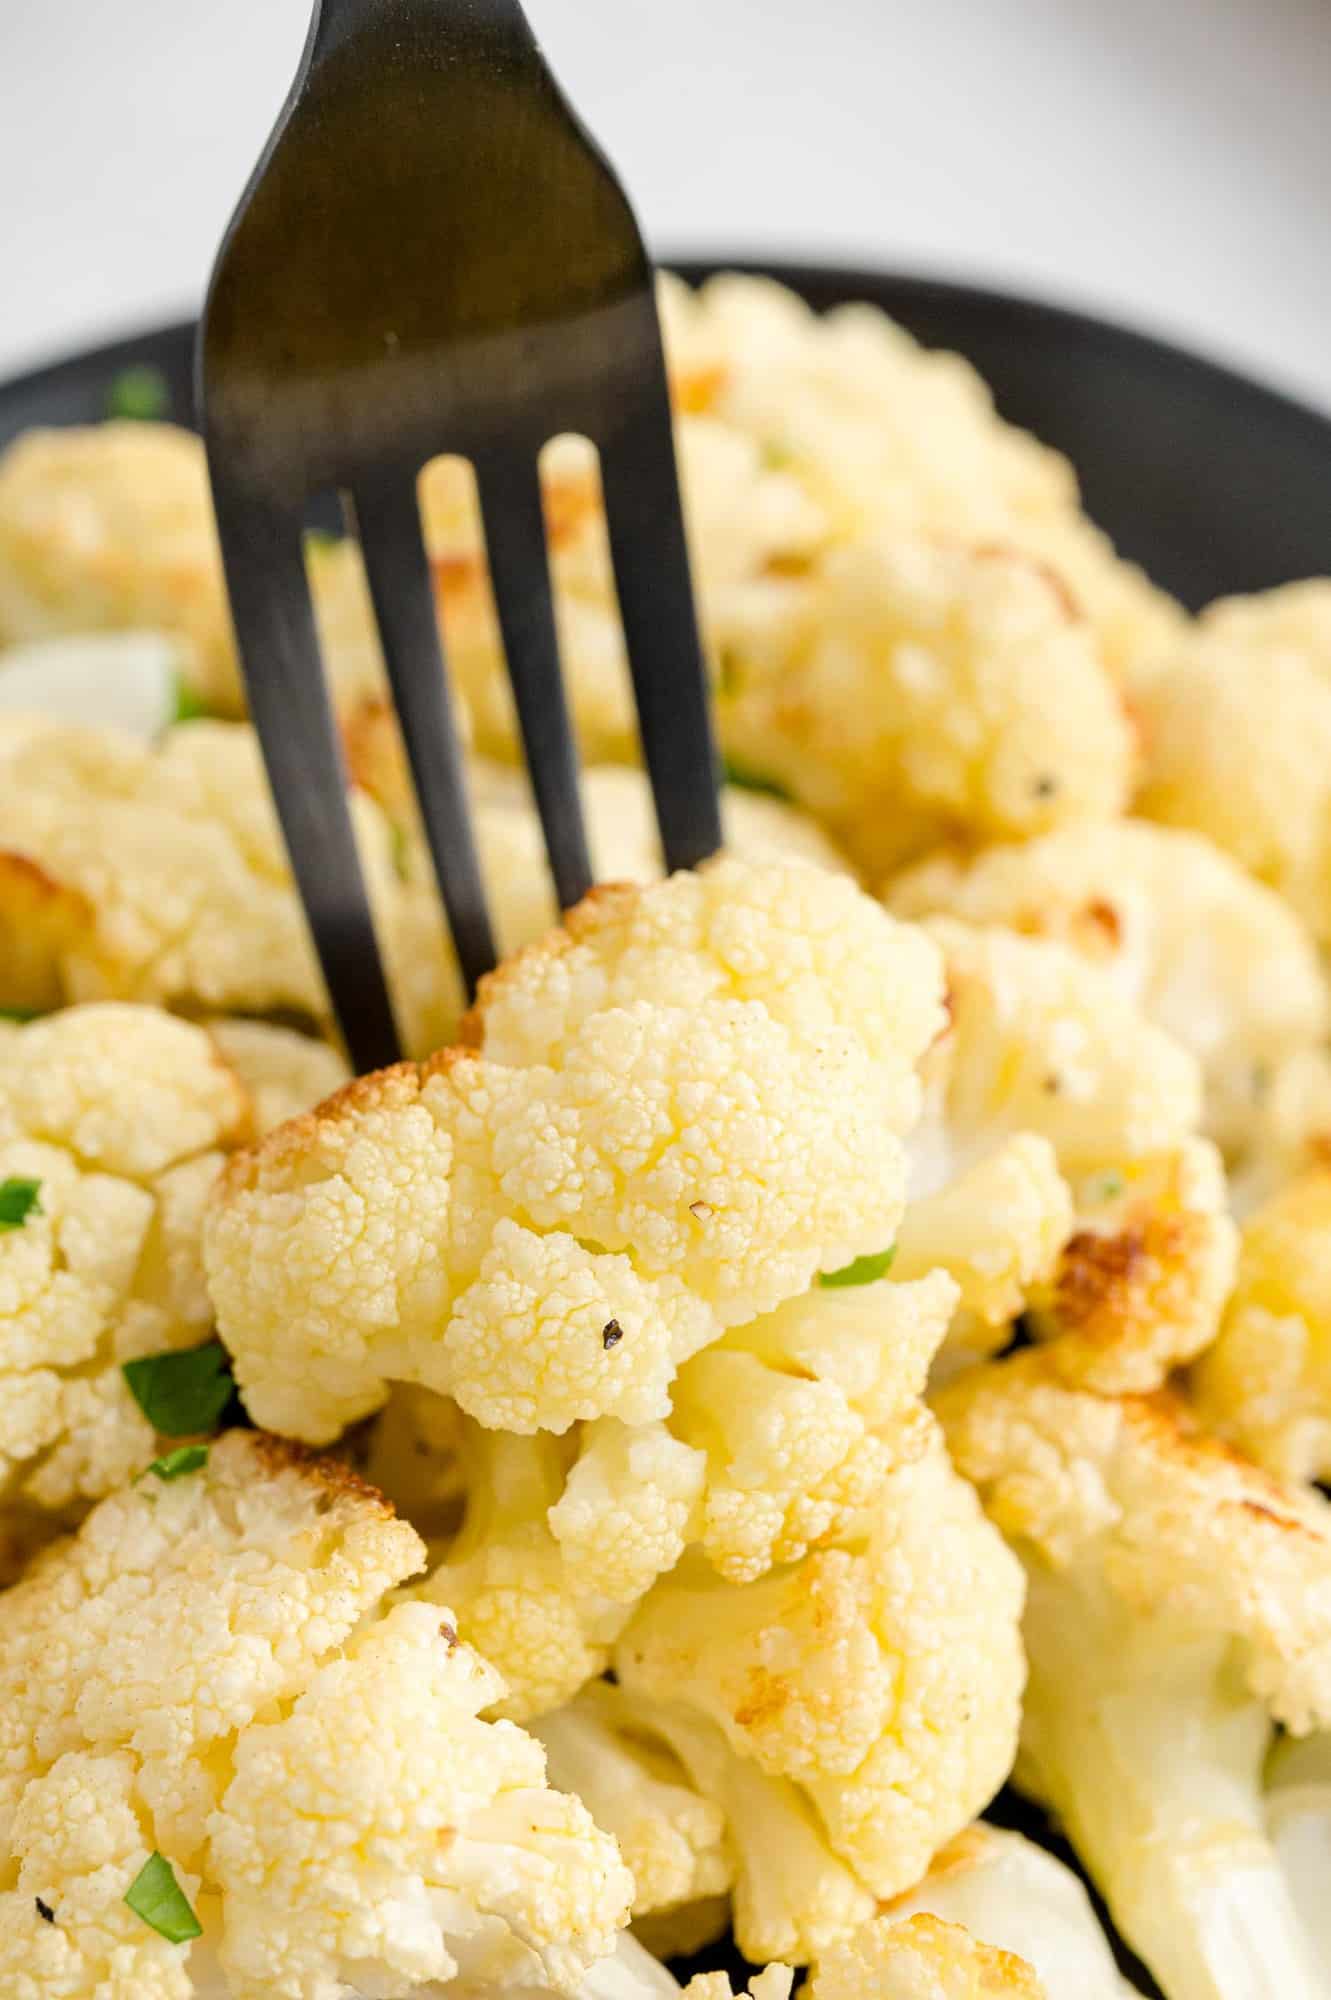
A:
{"x":1213,"y":482}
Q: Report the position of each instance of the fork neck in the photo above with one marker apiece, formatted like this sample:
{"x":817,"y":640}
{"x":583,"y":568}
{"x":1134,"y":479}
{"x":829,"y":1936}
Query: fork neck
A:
{"x":418,"y":31}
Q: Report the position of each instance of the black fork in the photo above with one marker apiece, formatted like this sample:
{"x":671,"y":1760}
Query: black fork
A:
{"x":433,"y":256}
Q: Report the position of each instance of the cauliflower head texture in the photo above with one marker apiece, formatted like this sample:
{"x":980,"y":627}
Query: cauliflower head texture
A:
{"x":1056,"y":1170}
{"x":1179,"y":1601}
{"x":1213,"y":957}
{"x":1237,"y":730}
{"x":921,"y":1959}
{"x":203,"y":1681}
{"x":114,"y":1122}
{"x":849,"y":1713}
{"x":1266,"y":1381}
{"x":682,"y":1107}
{"x":162,"y":877}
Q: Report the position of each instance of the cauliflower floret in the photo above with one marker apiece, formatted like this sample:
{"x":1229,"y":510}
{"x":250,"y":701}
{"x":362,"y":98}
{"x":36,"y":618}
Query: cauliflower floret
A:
{"x":1178,"y":1601}
{"x":1214,"y":958}
{"x":883,"y":433}
{"x":1010,"y":1893}
{"x":670,"y":1836}
{"x":849,"y":1714}
{"x":1291,"y":1133}
{"x":175,"y":855}
{"x":686,"y":1106}
{"x":204,"y":1674}
{"x":114,"y":1122}
{"x":1237,"y":728}
{"x":504,"y":1574}
{"x":109,"y":527}
{"x":1266,"y":1381}
{"x":802,"y":1413}
{"x":922,"y":1959}
{"x":948,"y":659}
{"x":1056,"y":1170}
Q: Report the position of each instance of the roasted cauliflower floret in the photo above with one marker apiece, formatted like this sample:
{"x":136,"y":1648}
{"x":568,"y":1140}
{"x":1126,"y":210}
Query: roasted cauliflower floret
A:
{"x":114,"y":1122}
{"x":849,"y":1714}
{"x":212,"y":1731}
{"x":684,"y":1106}
{"x":1266,"y":1381}
{"x":1055,"y":1168}
{"x":1237,"y":730}
{"x":174,"y":856}
{"x":671,"y":1838}
{"x":1179,"y":1600}
{"x":284,"y":1073}
{"x":109,"y":527}
{"x":1214,"y":958}
{"x":1010,"y":1893}
{"x":921,"y":1959}
{"x":801,"y":1414}
{"x":885,"y":434}
{"x":947,"y":658}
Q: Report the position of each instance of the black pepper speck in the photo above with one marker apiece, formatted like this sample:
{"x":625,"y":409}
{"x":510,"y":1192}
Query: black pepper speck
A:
{"x":611,"y":1334}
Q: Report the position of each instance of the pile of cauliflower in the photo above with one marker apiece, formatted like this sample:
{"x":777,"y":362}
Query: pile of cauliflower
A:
{"x":821,"y":1340}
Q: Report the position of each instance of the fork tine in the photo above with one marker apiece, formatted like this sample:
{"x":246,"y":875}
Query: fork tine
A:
{"x":279,"y":649}
{"x":651,"y":563}
{"x":388,"y":522}
{"x":510,"y":490}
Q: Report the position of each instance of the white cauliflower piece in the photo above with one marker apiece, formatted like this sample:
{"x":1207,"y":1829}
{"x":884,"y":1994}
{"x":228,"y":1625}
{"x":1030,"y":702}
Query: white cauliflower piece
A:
{"x":109,"y":527}
{"x":948,"y":659}
{"x":685,"y":1106}
{"x":849,"y":1714}
{"x":1237,"y":731}
{"x":115,"y":1120}
{"x":1056,"y":1166}
{"x":921,"y":1959}
{"x":1266,"y":1381}
{"x":504,"y":1573}
{"x":201,"y":1675}
{"x":1214,"y":958}
{"x":802,"y":1413}
{"x":159,"y":874}
{"x":1291,"y":1133}
{"x":1010,"y":1893}
{"x":670,"y":1836}
{"x":1179,"y":1600}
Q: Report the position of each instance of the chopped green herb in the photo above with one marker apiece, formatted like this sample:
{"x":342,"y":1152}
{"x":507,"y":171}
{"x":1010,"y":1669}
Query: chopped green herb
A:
{"x":19,"y":1014}
{"x":189,"y":707}
{"x":777,"y":455}
{"x":728,"y":671}
{"x":320,"y":538}
{"x":157,"y":1897}
{"x":1107,"y":1187}
{"x":182,"y":1392}
{"x":862,"y":1272}
{"x":401,"y":854}
{"x":18,"y":1200}
{"x":175,"y":1464}
{"x":754,"y":781}
{"x":140,"y":394}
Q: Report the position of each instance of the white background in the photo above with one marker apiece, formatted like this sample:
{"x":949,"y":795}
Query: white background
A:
{"x":1166,"y":160}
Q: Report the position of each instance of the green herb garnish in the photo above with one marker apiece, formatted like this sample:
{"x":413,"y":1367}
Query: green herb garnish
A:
{"x":1107,"y":1187}
{"x":864,"y":1271}
{"x":321,"y":538}
{"x":777,"y":455}
{"x":18,"y":1200}
{"x":189,"y":707}
{"x":175,"y":1464}
{"x":140,"y":394}
{"x":755,"y":781}
{"x":401,"y":853}
{"x":182,"y":1392}
{"x":157,"y":1897}
{"x":19,"y":1014}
